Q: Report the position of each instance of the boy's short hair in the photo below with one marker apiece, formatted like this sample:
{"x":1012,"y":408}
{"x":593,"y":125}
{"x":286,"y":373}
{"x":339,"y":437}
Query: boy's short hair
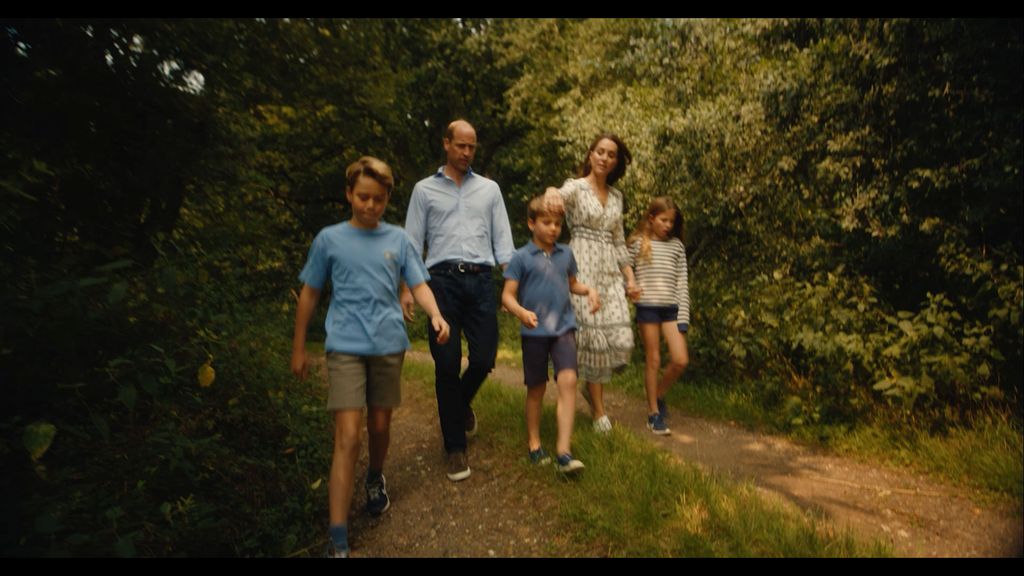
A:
{"x":538,"y":207}
{"x":372,"y":168}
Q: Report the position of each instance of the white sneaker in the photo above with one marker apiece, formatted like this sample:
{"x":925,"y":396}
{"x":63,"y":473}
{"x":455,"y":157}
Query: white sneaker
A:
{"x":603,"y":425}
{"x":567,"y":464}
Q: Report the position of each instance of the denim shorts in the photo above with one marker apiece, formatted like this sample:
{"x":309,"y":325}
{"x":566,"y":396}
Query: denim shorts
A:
{"x":355,"y":382}
{"x":656,"y":314}
{"x":537,"y":349}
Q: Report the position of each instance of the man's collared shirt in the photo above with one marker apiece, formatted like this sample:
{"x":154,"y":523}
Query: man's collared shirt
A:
{"x":464,"y":224}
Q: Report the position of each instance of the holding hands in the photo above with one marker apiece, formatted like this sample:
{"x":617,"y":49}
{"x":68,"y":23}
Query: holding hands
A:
{"x":633,"y":292}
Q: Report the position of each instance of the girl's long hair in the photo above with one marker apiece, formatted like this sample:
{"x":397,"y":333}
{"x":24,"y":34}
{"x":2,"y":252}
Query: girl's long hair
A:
{"x":643,"y":228}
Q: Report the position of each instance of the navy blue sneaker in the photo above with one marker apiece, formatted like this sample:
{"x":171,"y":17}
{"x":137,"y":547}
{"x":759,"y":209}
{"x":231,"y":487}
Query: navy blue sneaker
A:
{"x":333,"y":552}
{"x":539,"y":456}
{"x":338,"y":548}
{"x":377,"y":501}
{"x":567,"y":464}
{"x":657,"y":424}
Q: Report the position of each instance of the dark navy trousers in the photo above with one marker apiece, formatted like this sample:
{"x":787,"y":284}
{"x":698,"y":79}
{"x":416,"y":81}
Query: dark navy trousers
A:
{"x":468,"y":303}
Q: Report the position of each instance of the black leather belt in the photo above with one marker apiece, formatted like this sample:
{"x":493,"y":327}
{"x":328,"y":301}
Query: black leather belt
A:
{"x":459,"y":268}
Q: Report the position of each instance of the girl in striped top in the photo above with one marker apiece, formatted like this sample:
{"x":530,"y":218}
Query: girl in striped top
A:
{"x":663,"y":310}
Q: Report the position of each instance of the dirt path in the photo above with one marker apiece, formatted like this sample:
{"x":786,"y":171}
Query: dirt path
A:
{"x":918,"y":516}
{"x":489,"y":514}
{"x":494,"y":513}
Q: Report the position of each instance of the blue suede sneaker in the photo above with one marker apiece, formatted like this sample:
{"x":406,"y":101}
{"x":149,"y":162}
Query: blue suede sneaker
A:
{"x":657,"y":424}
{"x":337,"y":552}
{"x":339,"y":542}
{"x":539,"y":456}
{"x":567,"y":464}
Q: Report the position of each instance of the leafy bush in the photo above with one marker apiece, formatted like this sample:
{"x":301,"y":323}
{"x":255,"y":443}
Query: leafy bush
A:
{"x":824,"y":349}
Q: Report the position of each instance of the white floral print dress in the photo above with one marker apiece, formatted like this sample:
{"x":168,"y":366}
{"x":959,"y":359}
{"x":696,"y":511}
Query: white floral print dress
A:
{"x":604,"y":340}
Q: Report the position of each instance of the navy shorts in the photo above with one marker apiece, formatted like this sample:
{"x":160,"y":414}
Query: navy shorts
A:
{"x":656,"y":314}
{"x":537,"y":350}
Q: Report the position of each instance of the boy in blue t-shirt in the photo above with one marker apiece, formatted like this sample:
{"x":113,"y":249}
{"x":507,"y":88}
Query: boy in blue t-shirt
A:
{"x":537,"y":285}
{"x":365,"y":259}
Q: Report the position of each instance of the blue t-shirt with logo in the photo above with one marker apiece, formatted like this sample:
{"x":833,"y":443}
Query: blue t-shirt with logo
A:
{"x":544,"y":287}
{"x":365,"y":268}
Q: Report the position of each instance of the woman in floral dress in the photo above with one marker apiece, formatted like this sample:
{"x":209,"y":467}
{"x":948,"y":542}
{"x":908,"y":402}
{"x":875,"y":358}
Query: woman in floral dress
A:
{"x":594,"y":216}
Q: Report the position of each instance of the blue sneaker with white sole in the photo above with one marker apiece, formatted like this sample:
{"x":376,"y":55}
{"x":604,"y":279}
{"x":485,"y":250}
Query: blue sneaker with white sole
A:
{"x":657,"y":425}
{"x":568,"y":465}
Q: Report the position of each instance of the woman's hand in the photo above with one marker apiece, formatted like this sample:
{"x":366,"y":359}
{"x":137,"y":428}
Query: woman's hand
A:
{"x":633,"y":292}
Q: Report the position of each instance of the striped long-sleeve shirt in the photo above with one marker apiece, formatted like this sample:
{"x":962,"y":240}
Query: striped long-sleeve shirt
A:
{"x":663,"y":277}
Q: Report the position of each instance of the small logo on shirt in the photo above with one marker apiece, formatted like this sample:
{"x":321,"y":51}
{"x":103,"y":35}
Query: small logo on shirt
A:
{"x":389,"y":256}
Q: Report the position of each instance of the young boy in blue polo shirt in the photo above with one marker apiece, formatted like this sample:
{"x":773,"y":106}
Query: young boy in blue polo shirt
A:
{"x":365,"y":259}
{"x":537,"y":285}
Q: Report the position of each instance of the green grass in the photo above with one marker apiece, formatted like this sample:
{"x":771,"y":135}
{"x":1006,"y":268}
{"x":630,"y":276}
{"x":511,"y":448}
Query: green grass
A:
{"x":720,"y":403}
{"x":987,"y":457}
{"x":635,"y":501}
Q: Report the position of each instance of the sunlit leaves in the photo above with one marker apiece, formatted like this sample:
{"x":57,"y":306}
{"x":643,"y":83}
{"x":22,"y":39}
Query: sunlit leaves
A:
{"x":37,"y":438}
{"x":206,"y":374}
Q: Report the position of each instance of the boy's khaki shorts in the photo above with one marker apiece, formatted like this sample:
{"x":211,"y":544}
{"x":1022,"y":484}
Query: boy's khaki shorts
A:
{"x":355,"y":382}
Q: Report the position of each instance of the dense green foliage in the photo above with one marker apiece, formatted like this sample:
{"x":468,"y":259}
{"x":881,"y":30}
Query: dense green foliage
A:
{"x":852,"y":193}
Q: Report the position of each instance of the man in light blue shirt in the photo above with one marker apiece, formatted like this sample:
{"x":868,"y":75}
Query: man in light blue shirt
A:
{"x":461,"y":218}
{"x":459,"y":214}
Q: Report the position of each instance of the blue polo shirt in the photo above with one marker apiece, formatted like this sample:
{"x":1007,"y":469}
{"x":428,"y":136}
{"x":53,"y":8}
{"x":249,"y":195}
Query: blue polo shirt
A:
{"x":364,"y":267}
{"x":544,"y":287}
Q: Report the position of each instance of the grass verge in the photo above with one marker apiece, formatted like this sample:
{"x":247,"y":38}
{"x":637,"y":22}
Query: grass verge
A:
{"x":635,"y":501}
